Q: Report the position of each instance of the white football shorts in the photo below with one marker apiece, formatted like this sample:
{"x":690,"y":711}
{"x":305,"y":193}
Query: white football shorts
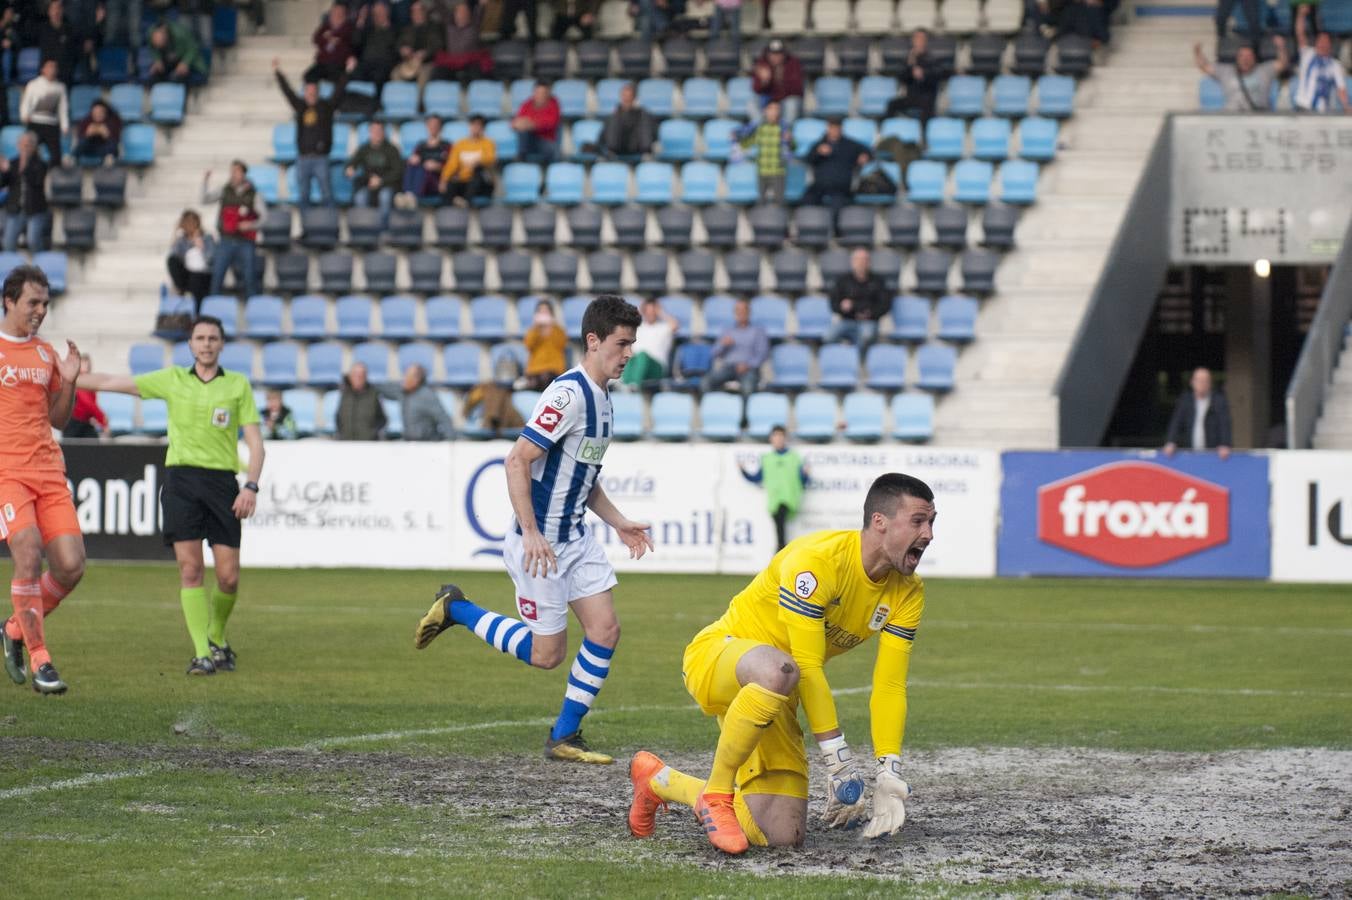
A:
{"x":542,"y":601}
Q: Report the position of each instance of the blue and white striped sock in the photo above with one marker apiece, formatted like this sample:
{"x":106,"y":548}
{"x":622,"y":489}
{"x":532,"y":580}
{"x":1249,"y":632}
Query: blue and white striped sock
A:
{"x":507,"y":634}
{"x":590,"y":669}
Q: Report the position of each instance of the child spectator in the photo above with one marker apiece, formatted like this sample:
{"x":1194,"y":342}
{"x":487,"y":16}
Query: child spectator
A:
{"x":277,"y":421}
{"x":771,"y":140}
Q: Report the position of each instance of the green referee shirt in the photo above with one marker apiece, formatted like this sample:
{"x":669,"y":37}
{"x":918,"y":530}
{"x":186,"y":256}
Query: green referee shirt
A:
{"x":204,"y":416}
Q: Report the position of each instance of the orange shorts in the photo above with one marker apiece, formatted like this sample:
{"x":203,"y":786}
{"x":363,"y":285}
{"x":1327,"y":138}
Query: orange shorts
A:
{"x":39,"y":499}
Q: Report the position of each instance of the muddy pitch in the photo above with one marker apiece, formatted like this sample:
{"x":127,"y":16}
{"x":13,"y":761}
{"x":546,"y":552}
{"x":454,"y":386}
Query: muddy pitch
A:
{"x":1095,"y":822}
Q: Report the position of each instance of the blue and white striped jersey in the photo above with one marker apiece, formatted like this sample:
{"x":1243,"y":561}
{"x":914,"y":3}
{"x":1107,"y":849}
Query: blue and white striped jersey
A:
{"x":572,"y":424}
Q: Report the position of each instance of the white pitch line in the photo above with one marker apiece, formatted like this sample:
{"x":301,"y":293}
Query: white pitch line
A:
{"x":1108,"y":688}
{"x":79,"y":781}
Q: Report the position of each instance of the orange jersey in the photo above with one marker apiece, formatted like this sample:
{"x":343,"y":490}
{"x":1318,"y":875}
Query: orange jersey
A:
{"x":28,"y":379}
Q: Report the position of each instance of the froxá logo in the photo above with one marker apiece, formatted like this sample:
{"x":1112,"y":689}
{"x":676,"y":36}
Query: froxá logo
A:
{"x":1133,"y":514}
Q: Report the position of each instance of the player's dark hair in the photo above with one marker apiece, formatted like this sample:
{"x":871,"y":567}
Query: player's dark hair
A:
{"x":17,"y":278}
{"x":208,"y":320}
{"x":606,"y":313}
{"x":779,"y":429}
{"x":884,"y":495}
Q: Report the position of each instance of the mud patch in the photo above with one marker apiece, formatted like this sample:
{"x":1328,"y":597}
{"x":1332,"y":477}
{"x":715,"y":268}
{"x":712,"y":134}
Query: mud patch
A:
{"x":1155,"y":824}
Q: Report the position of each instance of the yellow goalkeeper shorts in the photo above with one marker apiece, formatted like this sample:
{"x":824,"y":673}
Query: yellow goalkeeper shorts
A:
{"x":778,"y":765}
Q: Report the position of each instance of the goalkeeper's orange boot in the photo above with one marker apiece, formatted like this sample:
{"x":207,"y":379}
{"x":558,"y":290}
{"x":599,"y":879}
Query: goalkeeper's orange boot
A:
{"x":643,"y":810}
{"x":719,"y":819}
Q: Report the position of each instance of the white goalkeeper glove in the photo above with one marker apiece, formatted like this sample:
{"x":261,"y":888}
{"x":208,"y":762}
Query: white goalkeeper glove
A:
{"x":845,"y":786}
{"x":889,"y":798}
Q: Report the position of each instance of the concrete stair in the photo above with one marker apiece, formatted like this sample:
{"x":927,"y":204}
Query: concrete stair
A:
{"x":1333,"y":431}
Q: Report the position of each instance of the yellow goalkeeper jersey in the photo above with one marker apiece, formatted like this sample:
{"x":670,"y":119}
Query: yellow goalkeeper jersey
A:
{"x":815,"y":601}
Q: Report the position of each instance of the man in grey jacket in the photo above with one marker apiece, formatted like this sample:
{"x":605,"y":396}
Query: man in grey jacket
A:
{"x":425,"y":419}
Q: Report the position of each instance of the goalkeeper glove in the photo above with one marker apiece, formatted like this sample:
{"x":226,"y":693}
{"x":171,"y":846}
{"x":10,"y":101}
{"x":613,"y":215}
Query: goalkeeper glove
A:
{"x":845,"y":795}
{"x":889,"y":798}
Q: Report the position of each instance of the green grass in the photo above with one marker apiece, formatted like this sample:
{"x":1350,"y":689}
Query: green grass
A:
{"x":328,"y":654}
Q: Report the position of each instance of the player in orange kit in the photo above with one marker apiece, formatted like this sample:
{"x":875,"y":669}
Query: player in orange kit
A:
{"x":37,"y":514}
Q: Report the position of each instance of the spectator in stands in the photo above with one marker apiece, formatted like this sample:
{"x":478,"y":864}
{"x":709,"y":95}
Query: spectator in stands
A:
{"x":197,"y":15}
{"x":1201,"y":419}
{"x":630,"y":129}
{"x":419,"y":43}
{"x":467,"y":175}
{"x":376,"y":170}
{"x":771,"y":140}
{"x":25,"y":176}
{"x":652,"y":345}
{"x":834,"y":163}
{"x":537,"y":125}
{"x":511,"y":9}
{"x":1247,"y":84}
{"x":1318,"y":75}
{"x":783,"y":474}
{"x":279,"y":424}
{"x":422,"y":175}
{"x":45,"y":109}
{"x":314,"y":133}
{"x":333,"y":46}
{"x":190,"y":257}
{"x":178,"y":57}
{"x":425,"y":419}
{"x":727,"y":14}
{"x":58,"y":40}
{"x":1253,"y":18}
{"x":99,"y":133}
{"x":921,"y":81}
{"x":860,"y":299}
{"x":376,"y":44}
{"x":777,"y":76}
{"x":1087,"y":18}
{"x":360,"y":416}
{"x":463,"y":54}
{"x":546,"y":349}
{"x":87,"y":418}
{"x":122,"y":25}
{"x":579,"y":14}
{"x":739,"y":353}
{"x":237,"y":224}
{"x":656,"y":16}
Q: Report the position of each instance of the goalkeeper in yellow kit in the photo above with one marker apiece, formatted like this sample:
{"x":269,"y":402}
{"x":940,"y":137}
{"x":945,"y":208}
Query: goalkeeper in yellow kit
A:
{"x":823,"y":594}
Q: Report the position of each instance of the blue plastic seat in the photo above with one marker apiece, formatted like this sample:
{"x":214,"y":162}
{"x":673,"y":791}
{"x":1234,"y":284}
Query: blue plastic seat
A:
{"x":672,"y":414}
{"x":114,"y":65}
{"x":488,"y":318}
{"x":281,"y":364}
{"x":56,"y":264}
{"x":1010,"y":95}
{"x":741,"y":182}
{"x":513,"y":350}
{"x":443,"y":317}
{"x":128,"y":100}
{"x":9,"y":140}
{"x":442,"y":98}
{"x":519,"y":92}
{"x":485,"y":98}
{"x":263,"y":317}
{"x":718,"y":314}
{"x":586,"y":133}
{"x":284,"y":149}
{"x":323,"y":364}
{"x":342,"y":136}
{"x":626,"y":412}
{"x":913,"y":417}
{"x":972,"y":181}
{"x":82,"y":97}
{"x":885,"y":367}
{"x":154,"y":418}
{"x":143,"y":358}
{"x":267,"y":180}
{"x":610,"y":183}
{"x":676,"y":140}
{"x":814,"y":317}
{"x":717,"y":135}
{"x":138,"y":145}
{"x":1056,"y":96}
{"x":1018,"y":181}
{"x":1210,"y":94}
{"x":772,"y":314}
{"x":875,"y":92}
{"x":815,"y":416}
{"x":608,"y":94}
{"x":225,"y":308}
{"x":398,"y":315}
{"x":328,"y":412}
{"x":658,"y":96}
{"x":654,"y":181}
{"x":833,"y":95}
{"x":461,"y":363}
{"x":354,"y":318}
{"x":120,"y":410}
{"x":699,"y":183}
{"x":411,"y":134}
{"x":904,"y":129}
{"x":572,"y":96}
{"x":792,"y":367}
{"x":990,"y":139}
{"x":416,"y":354}
{"x":1037,"y":139}
{"x":309,"y":317}
{"x":838,"y":367}
{"x":925,"y":180}
{"x":764,"y":411}
{"x":945,"y":138}
{"x":863,"y":414}
{"x":936,"y":364}
{"x":720,"y":416}
{"x":564,"y":183}
{"x":238,"y":357}
{"x":910,"y":318}
{"x":740,"y":97}
{"x":862,"y":130}
{"x":30,"y":61}
{"x":521,"y":184}
{"x":168,"y":101}
{"x":807,"y":133}
{"x":700,"y":98}
{"x":302,"y":402}
{"x":693,"y":361}
{"x":375,"y":355}
{"x":966,"y":96}
{"x":181,"y":355}
{"x":682,"y":309}
{"x":956,"y":316}
{"x":573,"y":309}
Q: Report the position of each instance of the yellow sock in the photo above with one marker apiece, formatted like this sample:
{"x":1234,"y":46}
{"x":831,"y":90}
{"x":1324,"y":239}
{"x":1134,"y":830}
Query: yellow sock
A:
{"x":750,"y":827}
{"x":676,"y":787}
{"x":750,"y":711}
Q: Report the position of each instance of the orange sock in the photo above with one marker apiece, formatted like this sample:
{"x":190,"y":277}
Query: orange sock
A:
{"x":27,"y":599}
{"x":12,"y":629}
{"x":52,"y":593}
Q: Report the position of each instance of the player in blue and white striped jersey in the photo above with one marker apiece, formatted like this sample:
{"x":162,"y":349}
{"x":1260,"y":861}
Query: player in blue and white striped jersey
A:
{"x":554,"y":560}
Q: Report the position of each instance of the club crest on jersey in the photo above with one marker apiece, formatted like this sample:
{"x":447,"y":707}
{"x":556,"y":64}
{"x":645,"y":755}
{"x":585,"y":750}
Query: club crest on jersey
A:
{"x":879,"y":618}
{"x":220,"y":417}
{"x":549,"y":418}
{"x":805,"y":584}
{"x":42,"y":353}
{"x":527,"y":608}
{"x":9,"y":376}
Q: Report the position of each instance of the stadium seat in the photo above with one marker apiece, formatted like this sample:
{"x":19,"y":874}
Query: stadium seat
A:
{"x":966,"y":96}
{"x":903,"y":129}
{"x":263,"y":317}
{"x":910,"y":318}
{"x":302,"y":403}
{"x":398,"y":315}
{"x":1018,"y":182}
{"x":956,"y":316}
{"x":309,"y":318}
{"x":281,"y":364}
{"x":1030,"y":54}
{"x":630,"y":224}
{"x":720,"y":225}
{"x":485,"y":98}
{"x":682,"y":309}
{"x":572,"y":96}
{"x":572,"y":309}
{"x":180,"y":357}
{"x":936,"y":364}
{"x":863,"y":415}
{"x":875,"y":18}
{"x":114,"y":65}
{"x":852,"y":56}
{"x":323,"y":364}
{"x":488,"y":318}
{"x":722,"y":58}
{"x":743,"y":268}
{"x":997,"y":226}
{"x":692,"y":363}
{"x":865,"y":131}
{"x":790,"y":267}
{"x":885,"y":264}
{"x":1037,"y":139}
{"x":138,"y":145}
{"x":650,"y":271}
{"x":128,"y":101}
{"x":961,"y":16}
{"x":155,"y":417}
{"x":815,"y":416}
{"x":944,"y":138}
{"x":521,"y":183}
{"x":925,"y":181}
{"x":985,"y":53}
{"x":378,"y":272}
{"x":676,"y":140}
{"x":584,"y":226}
{"x":720,"y":416}
{"x":791,"y":365}
{"x":990,"y":139}
{"x":700,"y":98}
{"x":514,"y":272}
{"x":238,"y":357}
{"x":1074,"y":55}
{"x":931,"y":270}
{"x":442,"y":98}
{"x":807,"y":133}
{"x":718,"y":314}
{"x":519,"y":91}
{"x":912,"y":417}
{"x":654,"y":181}
{"x":452,"y":227}
{"x":292,"y":271}
{"x":399,"y":101}
{"x":275,"y":231}
{"x":495,"y":226}
{"x":560,"y":273}
{"x":813,"y":316}
{"x":120,"y":410}
{"x":833,"y":96}
{"x":593,"y":59}
{"x":769,"y":225}
{"x":771,"y":313}
{"x":903,"y":225}
{"x":328,"y":412}
{"x":812,"y":226}
{"x":609,"y":183}
{"x":416,"y":354}
{"x":443,"y":318}
{"x":972,"y":181}
{"x":1004,"y":16}
{"x":605,"y":267}
{"x":950,"y":226}
{"x":225,"y":308}
{"x":832,"y":264}
{"x":586,"y":138}
{"x":365,"y":226}
{"x":699,"y":183}
{"x":978,"y":270}
{"x":405,"y":229}
{"x":1055,"y":96}
{"x":319,"y":227}
{"x":550,"y":61}
{"x":469,"y":268}
{"x":838,"y":367}
{"x":697,"y":271}
{"x":504,"y":137}
{"x":78,"y":228}
{"x":672,"y":414}
{"x":167,"y":103}
{"x":608,"y":95}
{"x":626,"y":416}
{"x":718,"y":138}
{"x":676,"y":224}
{"x":854,"y":226}
{"x":266,"y":180}
{"x":658,"y":96}
{"x":1211,"y":96}
{"x":65,"y":186}
{"x":741,"y":183}
{"x":1010,"y":95}
{"x":461,"y":364}
{"x":634,"y":56}
{"x":875,"y":92}
{"x":143,"y":358}
{"x":354,"y":318}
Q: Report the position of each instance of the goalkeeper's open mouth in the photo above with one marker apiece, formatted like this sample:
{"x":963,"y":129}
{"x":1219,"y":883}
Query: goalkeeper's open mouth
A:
{"x":914,"y":553}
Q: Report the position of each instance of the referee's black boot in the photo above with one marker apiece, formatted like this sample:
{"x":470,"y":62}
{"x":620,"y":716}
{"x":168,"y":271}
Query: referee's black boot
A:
{"x":201,"y":665}
{"x":222,"y":657}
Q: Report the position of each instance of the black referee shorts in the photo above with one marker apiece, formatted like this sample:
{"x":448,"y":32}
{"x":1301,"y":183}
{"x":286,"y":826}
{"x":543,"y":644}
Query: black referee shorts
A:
{"x":197,"y":506}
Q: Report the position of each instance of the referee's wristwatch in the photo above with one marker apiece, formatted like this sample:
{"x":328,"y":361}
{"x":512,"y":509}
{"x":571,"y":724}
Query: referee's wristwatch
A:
{"x":251,"y":486}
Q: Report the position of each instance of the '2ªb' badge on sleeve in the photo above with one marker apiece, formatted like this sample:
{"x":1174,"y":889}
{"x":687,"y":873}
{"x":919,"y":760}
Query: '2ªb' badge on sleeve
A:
{"x":805,"y":584}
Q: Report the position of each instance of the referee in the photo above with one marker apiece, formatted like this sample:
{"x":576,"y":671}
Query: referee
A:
{"x":201,"y":499}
